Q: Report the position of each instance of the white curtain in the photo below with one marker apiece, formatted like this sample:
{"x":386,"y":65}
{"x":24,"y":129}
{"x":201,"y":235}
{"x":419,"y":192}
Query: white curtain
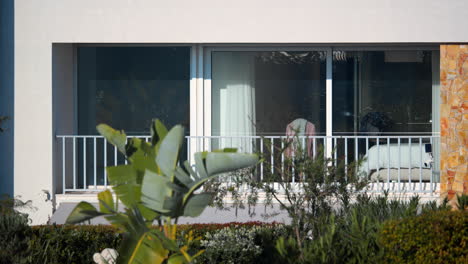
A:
{"x":233,"y":99}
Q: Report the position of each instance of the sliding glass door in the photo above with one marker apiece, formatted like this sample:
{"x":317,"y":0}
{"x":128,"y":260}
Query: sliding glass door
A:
{"x":376,"y":91}
{"x":260,"y":92}
{"x":383,"y":91}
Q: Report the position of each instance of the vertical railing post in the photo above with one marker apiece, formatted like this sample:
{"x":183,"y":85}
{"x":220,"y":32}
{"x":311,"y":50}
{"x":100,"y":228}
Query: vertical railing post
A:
{"x":105,"y":162}
{"x":84,"y":163}
{"x":63,"y":165}
{"x":74,"y":163}
{"x":95,"y":163}
{"x":261,"y":164}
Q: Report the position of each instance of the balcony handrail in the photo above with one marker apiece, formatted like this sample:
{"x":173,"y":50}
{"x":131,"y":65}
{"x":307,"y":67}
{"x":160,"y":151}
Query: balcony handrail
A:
{"x":84,"y":157}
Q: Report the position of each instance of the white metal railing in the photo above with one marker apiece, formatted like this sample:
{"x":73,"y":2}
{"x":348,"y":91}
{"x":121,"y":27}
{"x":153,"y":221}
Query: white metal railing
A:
{"x":393,"y":163}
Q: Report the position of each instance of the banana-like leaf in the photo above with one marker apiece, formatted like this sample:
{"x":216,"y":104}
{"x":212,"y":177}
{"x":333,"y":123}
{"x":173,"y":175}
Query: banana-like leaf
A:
{"x":197,"y":203}
{"x":154,"y":191}
{"x":125,"y":185}
{"x":115,"y":137}
{"x":106,"y":202}
{"x":158,"y":131}
{"x":168,"y":152}
{"x":147,"y":213}
{"x":227,"y":162}
{"x":122,"y":174}
{"x":177,"y":259}
{"x":223,"y":162}
{"x":82,"y":212}
{"x":147,"y":248}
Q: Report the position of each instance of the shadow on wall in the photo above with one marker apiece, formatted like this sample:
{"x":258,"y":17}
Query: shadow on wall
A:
{"x":6,"y":95}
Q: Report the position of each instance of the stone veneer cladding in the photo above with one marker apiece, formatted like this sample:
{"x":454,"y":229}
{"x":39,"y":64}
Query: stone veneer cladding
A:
{"x":454,"y":119}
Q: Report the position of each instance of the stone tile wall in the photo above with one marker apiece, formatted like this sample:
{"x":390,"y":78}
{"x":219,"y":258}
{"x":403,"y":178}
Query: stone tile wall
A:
{"x":454,"y":119}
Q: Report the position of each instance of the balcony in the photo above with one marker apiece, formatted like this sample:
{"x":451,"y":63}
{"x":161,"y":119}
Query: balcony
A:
{"x":396,"y":164}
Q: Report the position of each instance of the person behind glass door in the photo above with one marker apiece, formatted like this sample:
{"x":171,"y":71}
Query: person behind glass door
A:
{"x":297,"y":129}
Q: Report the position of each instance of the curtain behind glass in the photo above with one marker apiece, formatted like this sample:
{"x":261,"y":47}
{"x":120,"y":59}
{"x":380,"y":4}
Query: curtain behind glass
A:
{"x":233,"y":97}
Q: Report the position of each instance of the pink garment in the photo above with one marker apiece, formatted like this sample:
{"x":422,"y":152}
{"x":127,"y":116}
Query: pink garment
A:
{"x":308,"y":130}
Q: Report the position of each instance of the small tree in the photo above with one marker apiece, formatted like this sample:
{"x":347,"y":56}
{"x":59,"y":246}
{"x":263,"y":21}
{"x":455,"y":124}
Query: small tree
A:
{"x":311,"y":189}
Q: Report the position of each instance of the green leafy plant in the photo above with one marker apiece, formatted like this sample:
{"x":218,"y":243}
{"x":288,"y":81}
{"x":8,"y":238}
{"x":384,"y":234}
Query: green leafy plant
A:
{"x":462,"y":202}
{"x":434,"y":237}
{"x":309,"y":189}
{"x":69,"y":243}
{"x":153,"y":188}
{"x":14,"y":231}
{"x":241,"y":244}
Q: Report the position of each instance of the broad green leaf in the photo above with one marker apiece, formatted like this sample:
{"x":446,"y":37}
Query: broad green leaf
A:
{"x":128,"y":193}
{"x":143,"y":162}
{"x":154,"y":191}
{"x":147,"y":248}
{"x":200,"y":165}
{"x":82,"y":212}
{"x":106,"y":202}
{"x":197,"y":203}
{"x":158,"y":131}
{"x":224,"y":162}
{"x":168,"y":152}
{"x":182,"y":176}
{"x":190,"y":170}
{"x":147,"y":213}
{"x":115,"y":137}
{"x":121,"y":174}
{"x":177,"y":259}
{"x":118,"y":220}
{"x":173,"y":205}
{"x":166,"y":242}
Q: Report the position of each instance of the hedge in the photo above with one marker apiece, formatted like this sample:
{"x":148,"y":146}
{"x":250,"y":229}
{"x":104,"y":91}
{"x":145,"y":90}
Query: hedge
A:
{"x":78,"y":243}
{"x":434,"y":237}
{"x":70,"y":244}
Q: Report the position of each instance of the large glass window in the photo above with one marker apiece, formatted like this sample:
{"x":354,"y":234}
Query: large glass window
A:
{"x":261,"y":93}
{"x":383,"y":92}
{"x":126,"y":87}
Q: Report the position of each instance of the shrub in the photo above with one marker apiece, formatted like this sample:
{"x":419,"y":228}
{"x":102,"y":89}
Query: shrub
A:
{"x":14,"y":231}
{"x":78,"y":243}
{"x":239,"y":244}
{"x":434,"y":237}
{"x":70,"y":244}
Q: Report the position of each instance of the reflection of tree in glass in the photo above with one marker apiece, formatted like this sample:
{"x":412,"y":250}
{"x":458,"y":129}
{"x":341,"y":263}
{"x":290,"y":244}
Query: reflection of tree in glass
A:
{"x":2,"y":121}
{"x":379,"y":120}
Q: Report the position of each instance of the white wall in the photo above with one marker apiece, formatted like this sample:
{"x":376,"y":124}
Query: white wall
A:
{"x":39,"y":23}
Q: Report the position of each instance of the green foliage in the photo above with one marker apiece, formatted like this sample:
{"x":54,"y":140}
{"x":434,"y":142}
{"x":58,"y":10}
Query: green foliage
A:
{"x":152,"y":187}
{"x":14,"y":231}
{"x":434,"y":237}
{"x":462,"y":201}
{"x":77,"y":243}
{"x":70,"y":244}
{"x":351,"y":234}
{"x":231,"y":245}
{"x":240,"y":244}
{"x":308,"y":188}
